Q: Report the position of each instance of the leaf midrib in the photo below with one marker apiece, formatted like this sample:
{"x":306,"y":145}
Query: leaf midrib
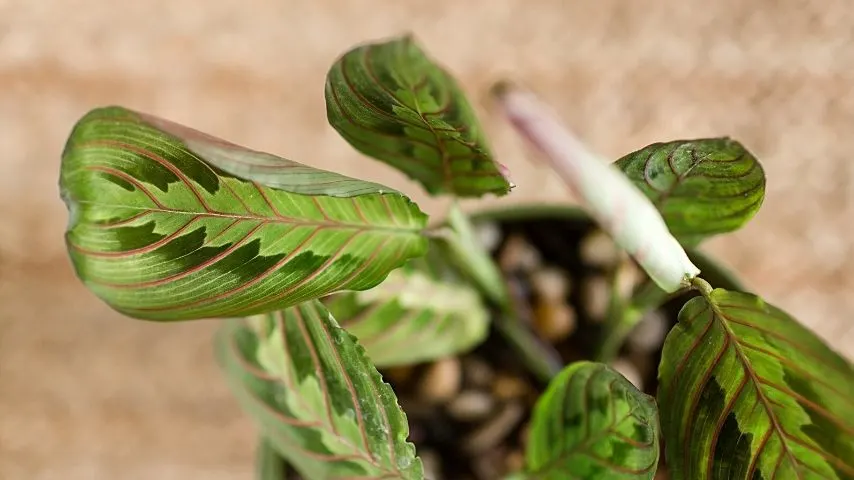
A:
{"x":748,"y":370}
{"x":262,"y":219}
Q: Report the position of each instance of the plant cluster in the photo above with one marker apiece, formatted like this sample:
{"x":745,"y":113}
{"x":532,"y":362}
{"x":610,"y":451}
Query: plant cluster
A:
{"x":324,"y":278}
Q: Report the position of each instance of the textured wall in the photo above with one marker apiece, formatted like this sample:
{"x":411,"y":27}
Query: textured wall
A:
{"x":87,"y":394}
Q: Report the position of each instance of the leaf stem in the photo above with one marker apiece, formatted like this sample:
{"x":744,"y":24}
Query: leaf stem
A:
{"x":513,"y":317}
{"x":702,"y":286}
{"x":269,"y":464}
{"x":540,"y":358}
{"x":623,"y":318}
{"x":440,"y":232}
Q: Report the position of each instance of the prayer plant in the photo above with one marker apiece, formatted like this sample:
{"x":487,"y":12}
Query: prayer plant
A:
{"x":322,"y":278}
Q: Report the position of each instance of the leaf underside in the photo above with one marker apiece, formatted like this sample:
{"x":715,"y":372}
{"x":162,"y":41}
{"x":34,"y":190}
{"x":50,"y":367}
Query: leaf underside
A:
{"x":701,"y":187}
{"x":592,"y":423}
{"x":421,"y":312}
{"x":168,"y":223}
{"x":316,"y":396}
{"x":390,"y":101}
{"x":746,"y":392}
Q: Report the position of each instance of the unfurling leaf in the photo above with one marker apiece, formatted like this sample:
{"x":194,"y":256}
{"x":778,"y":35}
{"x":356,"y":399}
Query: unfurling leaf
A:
{"x":390,"y":101}
{"x":746,"y":392}
{"x":613,"y":201}
{"x":316,"y":396}
{"x":701,"y":187}
{"x":590,"y":424}
{"x":168,"y":223}
{"x":421,"y":312}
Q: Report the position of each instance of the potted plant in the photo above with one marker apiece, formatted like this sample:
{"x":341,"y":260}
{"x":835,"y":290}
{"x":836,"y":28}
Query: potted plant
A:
{"x":524,"y":343}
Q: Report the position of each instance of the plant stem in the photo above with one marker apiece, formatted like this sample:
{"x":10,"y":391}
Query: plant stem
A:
{"x":623,"y":318}
{"x":540,"y":359}
{"x":268,"y":463}
{"x":701,"y":286}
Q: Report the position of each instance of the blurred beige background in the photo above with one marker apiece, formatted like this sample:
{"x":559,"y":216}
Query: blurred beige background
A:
{"x":85,"y":393}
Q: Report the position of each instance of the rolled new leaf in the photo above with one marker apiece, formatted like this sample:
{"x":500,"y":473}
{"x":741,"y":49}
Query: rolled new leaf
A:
{"x":590,"y":424}
{"x":421,"y":312}
{"x":316,"y":396}
{"x":610,"y":198}
{"x":746,"y":392}
{"x":701,"y":187}
{"x":167,"y":223}
{"x":390,"y":101}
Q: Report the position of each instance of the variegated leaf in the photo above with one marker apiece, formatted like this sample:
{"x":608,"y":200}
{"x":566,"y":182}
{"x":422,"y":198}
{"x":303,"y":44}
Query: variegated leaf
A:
{"x":390,"y":101}
{"x":421,"y":312}
{"x":316,"y":396}
{"x":168,"y":223}
{"x":591,"y":424}
{"x":746,"y":392}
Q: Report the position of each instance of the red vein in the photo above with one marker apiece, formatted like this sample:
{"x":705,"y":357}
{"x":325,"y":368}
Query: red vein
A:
{"x":779,"y":461}
{"x":185,"y":273}
{"x":679,"y":179}
{"x":128,"y":178}
{"x":839,"y":463}
{"x":359,"y":211}
{"x":156,"y":158}
{"x":695,"y":403}
{"x":794,"y":366}
{"x":582,"y":447}
{"x":683,"y":362}
{"x":320,"y":209}
{"x":221,"y":233}
{"x":388,"y":210}
{"x":369,"y":69}
{"x":280,"y":321}
{"x":124,"y":221}
{"x":605,"y":463}
{"x":807,"y":352}
{"x":135,"y":251}
{"x":748,"y":369}
{"x":267,"y":377}
{"x":320,"y":270}
{"x":318,"y":369}
{"x":809,"y":404}
{"x":348,"y":382}
{"x":631,"y":441}
{"x":364,"y":101}
{"x":758,"y":454}
{"x":584,"y":402}
{"x":720,"y":425}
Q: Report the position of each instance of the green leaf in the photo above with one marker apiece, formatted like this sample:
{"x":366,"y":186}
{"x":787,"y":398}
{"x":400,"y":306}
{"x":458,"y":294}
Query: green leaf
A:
{"x":747,"y":393}
{"x":701,"y":187}
{"x":592,"y":423}
{"x":390,"y":101}
{"x":421,"y":312}
{"x":316,"y":396}
{"x":168,"y":223}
